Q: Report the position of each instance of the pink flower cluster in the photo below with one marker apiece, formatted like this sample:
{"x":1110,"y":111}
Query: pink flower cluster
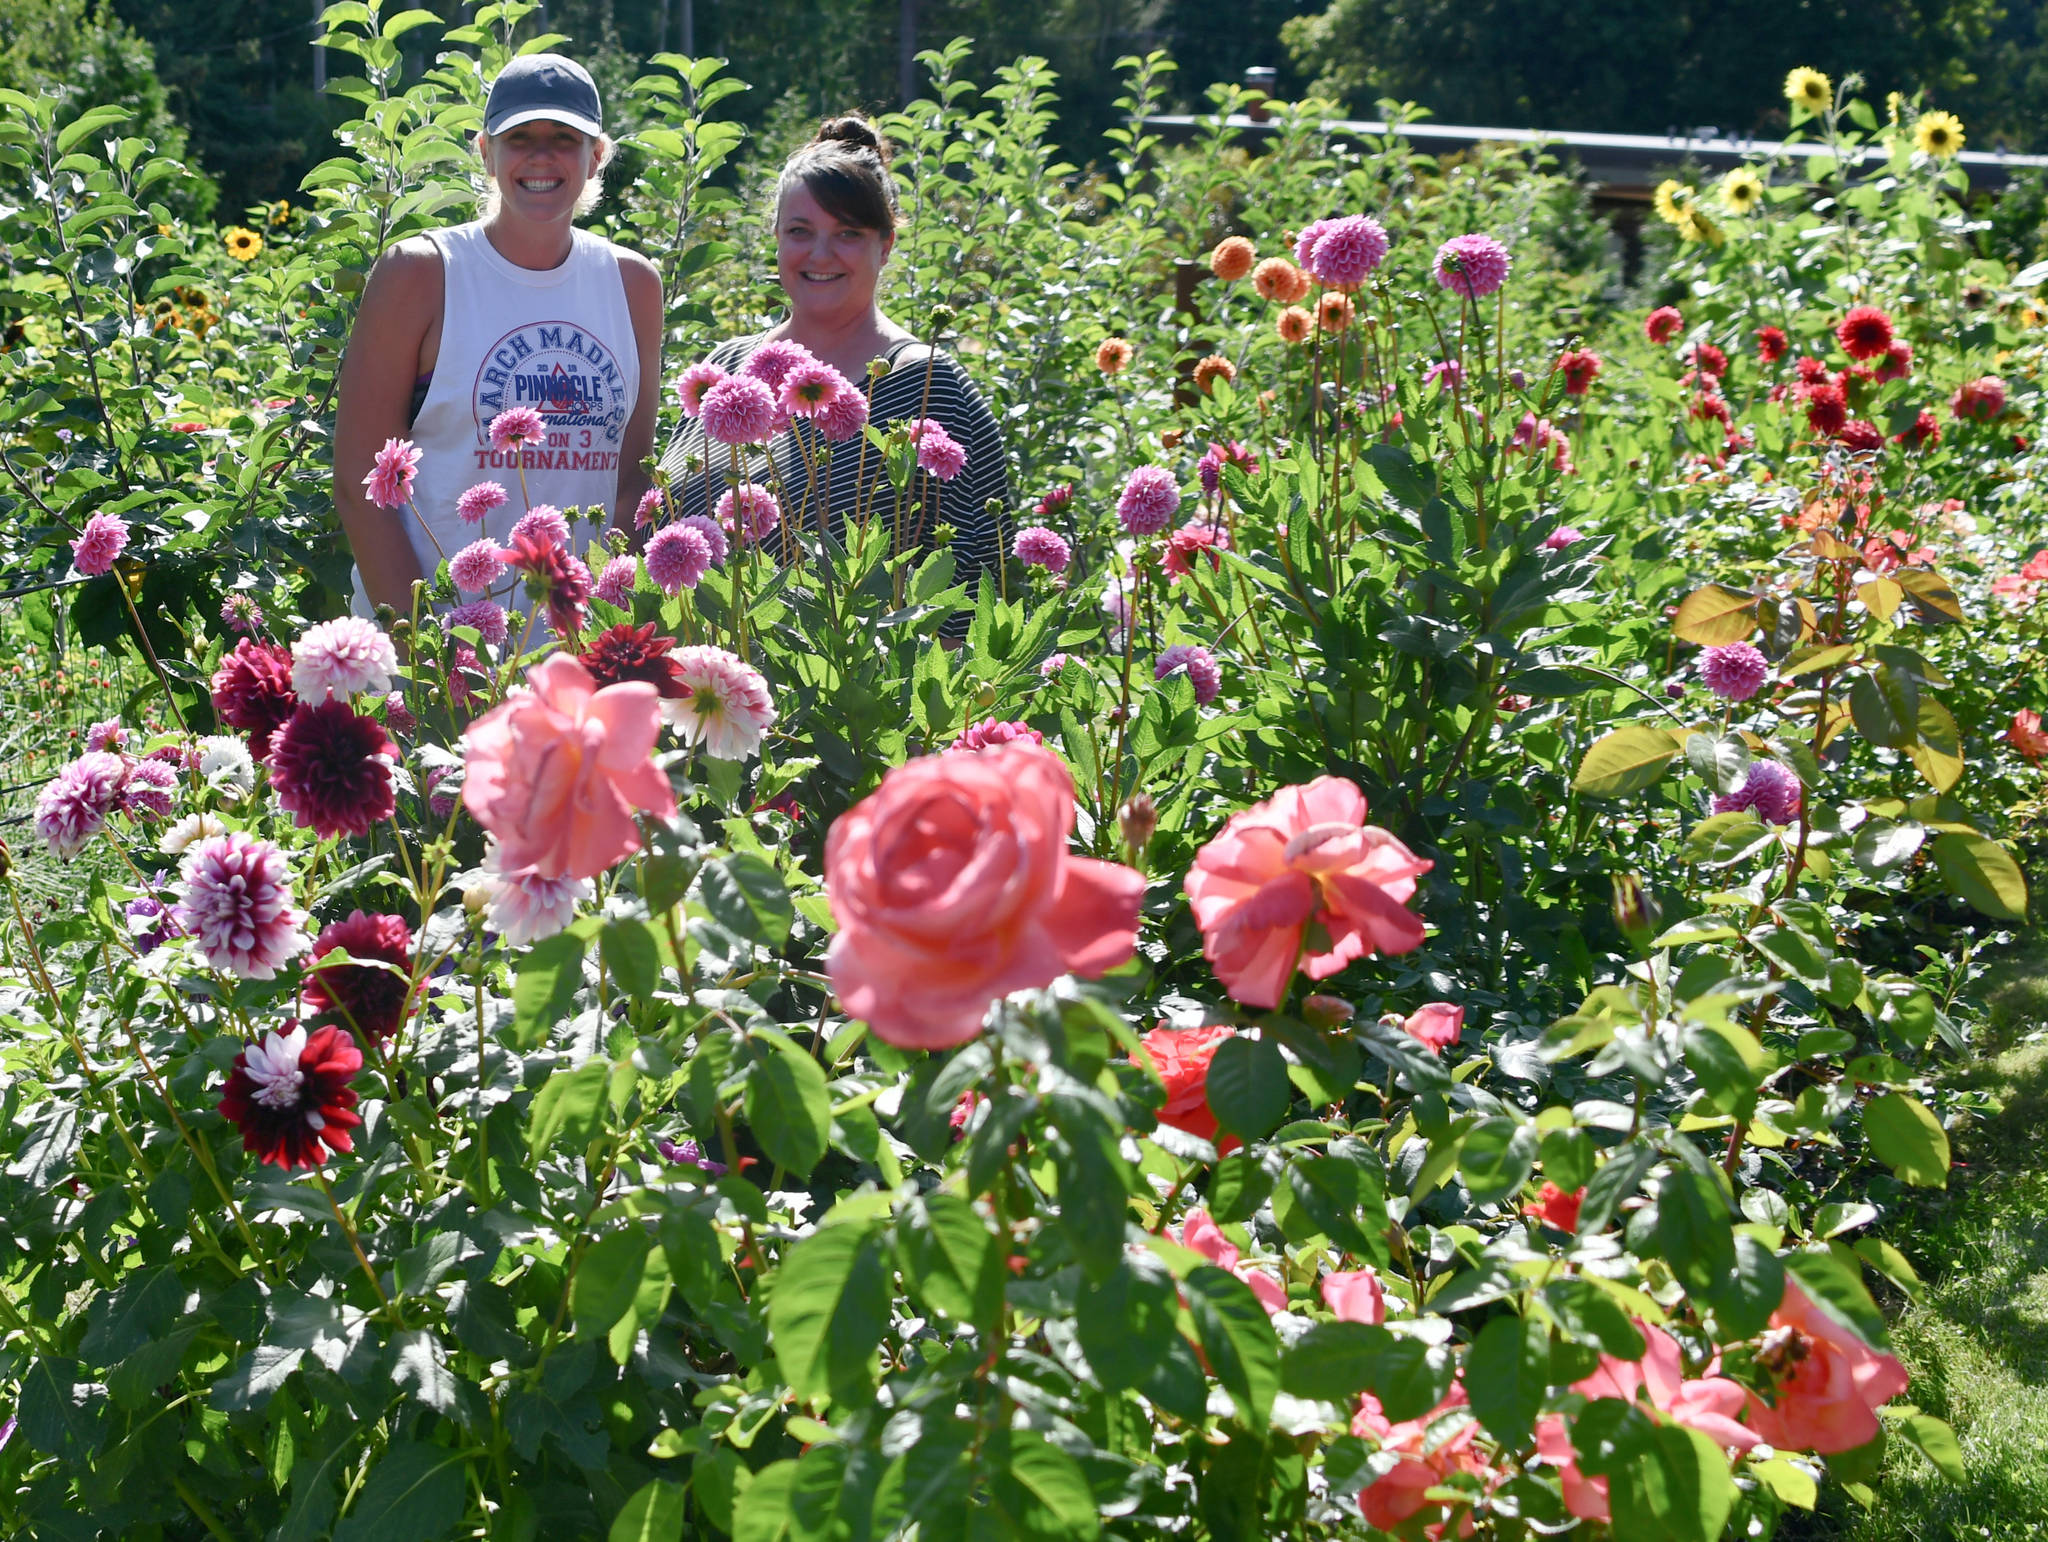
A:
{"x":1149,"y":501}
{"x":1342,"y":253}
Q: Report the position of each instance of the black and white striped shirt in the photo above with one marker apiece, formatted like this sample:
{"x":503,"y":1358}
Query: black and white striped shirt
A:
{"x":922,"y":382}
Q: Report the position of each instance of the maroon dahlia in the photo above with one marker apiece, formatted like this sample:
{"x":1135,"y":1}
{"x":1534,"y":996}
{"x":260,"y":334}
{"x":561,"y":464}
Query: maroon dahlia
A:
{"x":370,"y":1000}
{"x":1827,"y":409}
{"x":252,"y":691}
{"x":331,"y":769}
{"x":626,"y":652}
{"x":1859,"y":434}
{"x":554,"y":578}
{"x":289,"y":1095}
{"x":1771,"y":344}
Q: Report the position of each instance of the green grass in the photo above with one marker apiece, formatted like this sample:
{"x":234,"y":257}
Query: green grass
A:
{"x":1977,"y":1342}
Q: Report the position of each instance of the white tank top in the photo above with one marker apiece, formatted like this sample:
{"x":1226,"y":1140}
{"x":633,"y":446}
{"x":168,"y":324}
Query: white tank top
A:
{"x":560,"y":341}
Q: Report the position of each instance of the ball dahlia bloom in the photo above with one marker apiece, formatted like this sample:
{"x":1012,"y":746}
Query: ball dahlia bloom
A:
{"x":952,"y":886}
{"x":1663,"y":324}
{"x":1771,"y":344}
{"x":740,"y":409}
{"x":289,"y":1095}
{"x":1182,"y":1056}
{"x":810,"y":389}
{"x":391,"y":474}
{"x":990,"y":732}
{"x":516,"y":426}
{"x":941,"y":454}
{"x":543,"y":523}
{"x":359,"y":996}
{"x":235,"y":903}
{"x":615,"y":583}
{"x":696,"y":381}
{"x":480,"y":501}
{"x":1827,"y":409}
{"x":1280,"y":281}
{"x":773,"y":362}
{"x":74,"y":804}
{"x":747,"y":511}
{"x":1294,"y":325}
{"x":1472,"y":265}
{"x":724,"y":705}
{"x":477,"y":566}
{"x":1112,"y":355}
{"x":1347,"y":250}
{"x":1149,"y":501}
{"x":1734,"y":671}
{"x":484,"y":617}
{"x":677,"y":557}
{"x":330,"y":767}
{"x":1865,"y":332}
{"x":340,"y":658}
{"x":1200,"y":1233}
{"x":524,"y":905}
{"x":1771,"y":788}
{"x":1197,"y":663}
{"x":1435,"y":1025}
{"x":1829,"y":1383}
{"x":1980,"y":400}
{"x":714,"y":535}
{"x":557,"y":772}
{"x":1861,"y":435}
{"x":843,"y":417}
{"x":1233,"y":258}
{"x":1334,"y":312}
{"x":104,"y":538}
{"x":1305,"y":854}
{"x":1039,"y":547}
{"x":252,"y":691}
{"x":1212,"y":368}
{"x":151,"y":789}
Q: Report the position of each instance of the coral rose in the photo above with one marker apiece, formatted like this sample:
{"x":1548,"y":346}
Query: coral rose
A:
{"x":952,"y":886}
{"x":1305,"y":855}
{"x":1830,"y":1383}
{"x":1201,"y":1233}
{"x":1182,"y":1056}
{"x":556,"y":773}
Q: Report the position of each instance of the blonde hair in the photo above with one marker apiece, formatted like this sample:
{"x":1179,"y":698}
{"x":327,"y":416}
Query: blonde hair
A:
{"x":489,"y":199}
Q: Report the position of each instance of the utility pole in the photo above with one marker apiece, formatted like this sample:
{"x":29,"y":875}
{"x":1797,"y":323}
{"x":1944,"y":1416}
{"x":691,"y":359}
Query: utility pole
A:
{"x":319,"y":53}
{"x":689,"y":29}
{"x":906,"y":60}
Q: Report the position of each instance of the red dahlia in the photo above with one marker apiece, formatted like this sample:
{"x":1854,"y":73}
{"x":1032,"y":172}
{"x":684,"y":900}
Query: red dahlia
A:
{"x":1982,"y":399}
{"x":1857,"y":434}
{"x":1827,"y":409}
{"x":252,"y":691}
{"x":1865,"y":333}
{"x":1578,"y":366}
{"x":1708,"y":360}
{"x":1811,"y":371}
{"x":289,"y":1095}
{"x":1771,"y":344}
{"x":1711,"y":404}
{"x":1923,"y":435}
{"x":554,"y":577}
{"x":361,"y":996}
{"x":626,"y":652}
{"x":1663,"y":324}
{"x":331,"y":768}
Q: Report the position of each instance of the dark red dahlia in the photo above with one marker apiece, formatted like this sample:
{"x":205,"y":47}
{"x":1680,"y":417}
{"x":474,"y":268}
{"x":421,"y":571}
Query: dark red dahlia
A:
{"x":1811,"y":371}
{"x":1709,"y":360}
{"x":369,"y":1000}
{"x":252,"y":691}
{"x":554,"y":578}
{"x":331,"y":769}
{"x":1578,"y":366}
{"x":626,"y":652}
{"x":1711,"y":404}
{"x":289,"y":1095}
{"x":1827,"y":409}
{"x":1923,"y":435}
{"x":1056,"y":501}
{"x":1865,"y":333}
{"x":1857,"y":434}
{"x":1771,"y":344}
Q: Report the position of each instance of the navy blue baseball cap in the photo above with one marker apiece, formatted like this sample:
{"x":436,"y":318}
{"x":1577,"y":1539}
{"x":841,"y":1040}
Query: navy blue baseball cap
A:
{"x":535,"y":86}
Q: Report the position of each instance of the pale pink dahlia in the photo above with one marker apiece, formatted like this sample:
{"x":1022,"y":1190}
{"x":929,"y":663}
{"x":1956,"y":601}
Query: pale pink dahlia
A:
{"x":749,"y":512}
{"x":771,"y":363}
{"x":727,"y":710}
{"x":104,"y":538}
{"x":843,"y":417}
{"x":517,"y":425}
{"x":106,"y":734}
{"x":697,"y":379}
{"x":235,"y":902}
{"x":678,"y":557}
{"x":808,"y":389}
{"x":941,"y":454}
{"x":341,"y":657}
{"x":989,"y":732}
{"x":391,"y":474}
{"x":1039,"y":547}
{"x":1771,"y":788}
{"x":73,"y":807}
{"x":478,"y":501}
{"x":615,"y":583}
{"x":524,"y":906}
{"x":1734,"y":671}
{"x":1198,"y":663}
{"x":1348,"y":250}
{"x":714,"y":535}
{"x":1053,"y":665}
{"x":648,"y":506}
{"x":543,"y":523}
{"x":152,"y":789}
{"x":477,"y":566}
{"x":1150,"y":499}
{"x":739,"y":410}
{"x":1473,"y":265}
{"x":484,"y":617}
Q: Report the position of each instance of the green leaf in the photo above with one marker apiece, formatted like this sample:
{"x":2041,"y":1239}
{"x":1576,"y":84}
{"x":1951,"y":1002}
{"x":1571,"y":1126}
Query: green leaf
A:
{"x":1908,"y":1139}
{"x":1618,"y":1178}
{"x":747,"y":896}
{"x":548,"y":974}
{"x":1346,"y":1201}
{"x":92,"y":119}
{"x":1335,"y":1361}
{"x":1885,"y":705}
{"x":761,"y":1513}
{"x":950,"y":1258}
{"x":1834,"y":1285}
{"x":788,"y":1104}
{"x":1744,"y":1300}
{"x":654,"y":1514}
{"x":829,"y":1309}
{"x":1937,"y":1442}
{"x":1507,"y":1374}
{"x":608,"y":1279}
{"x":1126,"y":1324}
{"x":1035,"y":1490}
{"x":569,"y":1106}
{"x":632,"y":956}
{"x":1982,"y":872}
{"x":1715,"y":614}
{"x":1678,"y":1490}
{"x":1239,"y":1187}
{"x":1238,"y":1339}
{"x":1694,"y":1230}
{"x":1586,"y":1312}
{"x":1247,"y":1086}
{"x":1722,"y":762}
{"x":414,"y":1494}
{"x":1625,"y":761}
{"x":1496,"y":1158}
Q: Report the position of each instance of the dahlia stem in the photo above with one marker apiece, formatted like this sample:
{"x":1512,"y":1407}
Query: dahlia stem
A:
{"x":149,"y":652}
{"x":355,"y":1244}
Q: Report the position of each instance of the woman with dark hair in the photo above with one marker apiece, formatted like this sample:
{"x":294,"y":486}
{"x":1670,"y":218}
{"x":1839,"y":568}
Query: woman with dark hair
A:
{"x":836,"y":218}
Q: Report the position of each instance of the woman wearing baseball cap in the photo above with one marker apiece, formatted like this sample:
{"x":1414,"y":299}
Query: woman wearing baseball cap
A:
{"x":519,"y":309}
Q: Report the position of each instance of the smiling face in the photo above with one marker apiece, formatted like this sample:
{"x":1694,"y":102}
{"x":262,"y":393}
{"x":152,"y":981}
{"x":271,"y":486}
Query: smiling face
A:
{"x":829,"y":268}
{"x":541,"y":168}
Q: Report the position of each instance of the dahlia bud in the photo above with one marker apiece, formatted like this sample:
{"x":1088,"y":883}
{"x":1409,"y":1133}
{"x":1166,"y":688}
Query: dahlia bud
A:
{"x":877,"y":368}
{"x":1635,"y":911}
{"x":943,"y":316}
{"x":6,"y":862}
{"x":385,"y":616}
{"x":1137,"y":820}
{"x":985,"y":697}
{"x":475,"y":898}
{"x":616,"y":541}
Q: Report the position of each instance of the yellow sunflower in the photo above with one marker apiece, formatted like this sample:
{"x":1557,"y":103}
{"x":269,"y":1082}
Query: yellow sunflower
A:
{"x":1695,"y":226}
{"x":281,"y":212}
{"x":242,"y":244}
{"x":1809,"y":89}
{"x":1742,"y":190}
{"x":1939,"y":134}
{"x":1671,"y":200}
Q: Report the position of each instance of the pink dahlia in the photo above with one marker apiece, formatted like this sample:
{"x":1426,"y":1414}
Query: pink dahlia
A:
{"x":747,"y":511}
{"x":1474,"y":265}
{"x":714,"y":536}
{"x":1150,"y":499}
{"x":1055,"y":501}
{"x":517,"y":425}
{"x":73,"y":806}
{"x":252,"y":691}
{"x":398,"y":716}
{"x":1563,"y":536}
{"x":477,"y":566}
{"x":697,"y":379}
{"x":771,"y":363}
{"x":1734,"y":671}
{"x":1305,"y":242}
{"x":1663,"y":324}
{"x":989,"y":732}
{"x":289,"y":1095}
{"x":543,"y":522}
{"x":366,"y":999}
{"x":1347,"y":250}
{"x":1771,"y":788}
{"x":1199,"y":665}
{"x":487,"y":619}
{"x":739,"y":410}
{"x":391,"y":474}
{"x":555,"y":579}
{"x":1981,"y":399}
{"x":1445,"y":374}
{"x":1191,"y":541}
{"x":1860,"y":434}
{"x":104,"y":538}
{"x":615,"y":583}
{"x":627,"y":652}
{"x":1039,"y":547}
{"x":478,"y":501}
{"x":241,"y":613}
{"x":843,"y":417}
{"x":151,"y":789}
{"x":341,"y":657}
{"x":106,"y":734}
{"x":677,"y":558}
{"x":941,"y":454}
{"x":331,"y":769}
{"x":525,"y":905}
{"x":808,"y":389}
{"x":1580,"y":366}
{"x":1209,"y":469}
{"x":1898,"y":361}
{"x":235,"y":902}
{"x":650,"y":504}
{"x":727,"y":709}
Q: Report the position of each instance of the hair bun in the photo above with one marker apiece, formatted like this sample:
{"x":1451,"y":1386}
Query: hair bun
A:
{"x":853,"y":131}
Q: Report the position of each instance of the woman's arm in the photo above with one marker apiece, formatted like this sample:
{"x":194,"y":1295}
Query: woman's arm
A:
{"x":643,"y":300}
{"x":401,"y":303}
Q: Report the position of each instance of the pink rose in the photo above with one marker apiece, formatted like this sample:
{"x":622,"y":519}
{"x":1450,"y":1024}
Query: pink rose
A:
{"x":1830,"y":1383}
{"x":1435,"y":1026}
{"x":1427,"y":1457}
{"x":1356,"y":1295}
{"x":555,"y":773}
{"x":952,"y":886}
{"x":1182,"y":1056}
{"x":1201,"y":1233}
{"x":1306,"y":854}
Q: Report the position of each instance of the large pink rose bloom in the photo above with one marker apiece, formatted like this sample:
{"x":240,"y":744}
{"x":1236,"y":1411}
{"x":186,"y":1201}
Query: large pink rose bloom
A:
{"x":555,"y":773}
{"x":952,"y":886}
{"x":1305,"y":854}
{"x":1830,"y":1383}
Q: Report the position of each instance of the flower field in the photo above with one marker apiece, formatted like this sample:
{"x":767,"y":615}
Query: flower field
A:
{"x":1392,"y":970}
